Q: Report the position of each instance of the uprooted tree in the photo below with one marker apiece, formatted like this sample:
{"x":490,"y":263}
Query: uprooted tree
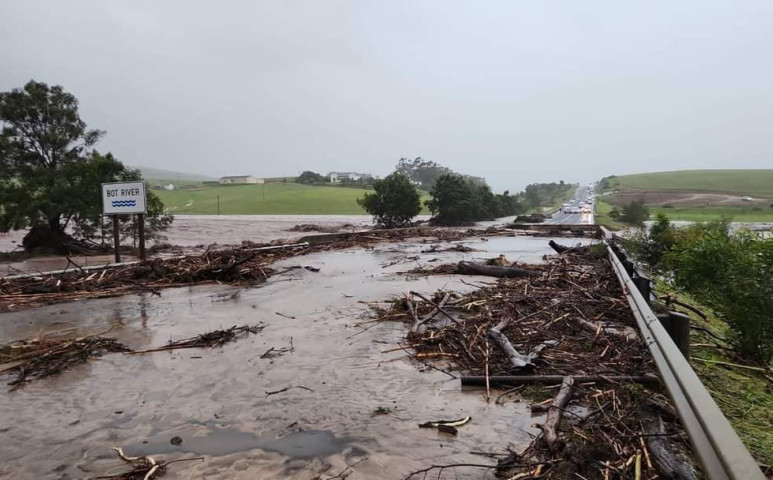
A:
{"x":50,"y":174}
{"x":394,"y":202}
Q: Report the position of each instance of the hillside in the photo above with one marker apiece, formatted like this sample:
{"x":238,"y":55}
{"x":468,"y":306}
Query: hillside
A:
{"x":696,"y":195}
{"x":150,"y":173}
{"x":268,"y":199}
{"x":737,"y":182}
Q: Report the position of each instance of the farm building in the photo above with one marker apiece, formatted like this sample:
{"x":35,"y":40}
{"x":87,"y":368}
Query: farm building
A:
{"x":337,"y":177}
{"x":240,"y":179}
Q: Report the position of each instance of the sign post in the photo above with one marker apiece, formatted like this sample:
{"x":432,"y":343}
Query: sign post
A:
{"x":125,"y":198}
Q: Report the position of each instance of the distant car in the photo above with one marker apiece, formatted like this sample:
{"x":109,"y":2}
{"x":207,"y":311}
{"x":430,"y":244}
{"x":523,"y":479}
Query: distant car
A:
{"x":747,"y":199}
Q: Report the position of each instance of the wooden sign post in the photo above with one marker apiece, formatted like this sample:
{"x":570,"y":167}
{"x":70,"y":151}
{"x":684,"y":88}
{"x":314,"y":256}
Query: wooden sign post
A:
{"x":125,"y":198}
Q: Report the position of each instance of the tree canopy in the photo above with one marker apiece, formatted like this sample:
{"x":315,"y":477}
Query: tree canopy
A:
{"x":422,"y":173}
{"x":394,"y":202}
{"x":458,"y":199}
{"x":308,"y":177}
{"x":51,"y":174}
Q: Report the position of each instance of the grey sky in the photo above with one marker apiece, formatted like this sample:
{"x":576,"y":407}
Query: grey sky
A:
{"x":515,"y":92}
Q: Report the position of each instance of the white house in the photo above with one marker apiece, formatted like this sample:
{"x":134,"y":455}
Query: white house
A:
{"x":336,"y":177}
{"x":240,"y":179}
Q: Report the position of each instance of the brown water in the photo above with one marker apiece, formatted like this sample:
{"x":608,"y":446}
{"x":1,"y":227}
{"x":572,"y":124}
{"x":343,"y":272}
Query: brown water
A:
{"x":194,"y":230}
{"x":63,"y":427}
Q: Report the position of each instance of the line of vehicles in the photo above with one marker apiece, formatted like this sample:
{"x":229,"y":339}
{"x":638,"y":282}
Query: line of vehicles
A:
{"x":579,"y":206}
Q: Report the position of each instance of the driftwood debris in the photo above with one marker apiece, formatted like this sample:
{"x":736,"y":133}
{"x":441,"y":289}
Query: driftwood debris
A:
{"x":611,"y":372}
{"x":550,"y":427}
{"x":44,"y":357}
{"x":247,"y":264}
{"x":471,"y":268}
{"x":213,"y":339}
{"x":517,"y":359}
{"x":513,"y":380}
{"x":666,"y":461}
{"x":143,"y":467}
{"x":577,"y":249}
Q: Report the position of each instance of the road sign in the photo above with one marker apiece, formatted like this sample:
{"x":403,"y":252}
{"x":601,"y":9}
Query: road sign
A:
{"x":121,"y":198}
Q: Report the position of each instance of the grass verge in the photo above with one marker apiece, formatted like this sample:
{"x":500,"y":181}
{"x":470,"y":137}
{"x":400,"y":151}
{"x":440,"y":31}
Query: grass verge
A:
{"x":744,"y":394}
{"x":602,"y":217}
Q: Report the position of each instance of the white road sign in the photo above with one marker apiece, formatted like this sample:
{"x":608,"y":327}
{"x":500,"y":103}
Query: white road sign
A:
{"x":123,"y":198}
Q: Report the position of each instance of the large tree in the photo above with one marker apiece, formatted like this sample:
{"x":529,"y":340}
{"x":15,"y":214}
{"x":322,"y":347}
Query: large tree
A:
{"x":394,"y":201}
{"x":50,"y":174}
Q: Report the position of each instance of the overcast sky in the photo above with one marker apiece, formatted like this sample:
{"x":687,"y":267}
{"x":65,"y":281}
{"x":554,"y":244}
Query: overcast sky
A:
{"x":516,"y":92}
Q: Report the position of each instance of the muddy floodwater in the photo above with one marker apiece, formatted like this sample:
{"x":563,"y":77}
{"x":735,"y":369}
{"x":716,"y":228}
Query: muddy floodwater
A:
{"x":197,"y":231}
{"x":215,"y":400}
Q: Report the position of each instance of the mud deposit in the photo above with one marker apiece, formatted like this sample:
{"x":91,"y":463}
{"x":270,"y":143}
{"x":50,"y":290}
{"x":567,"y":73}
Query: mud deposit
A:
{"x":216,"y":400}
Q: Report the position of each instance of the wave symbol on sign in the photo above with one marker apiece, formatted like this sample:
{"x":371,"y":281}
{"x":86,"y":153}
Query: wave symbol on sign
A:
{"x":124,"y":203}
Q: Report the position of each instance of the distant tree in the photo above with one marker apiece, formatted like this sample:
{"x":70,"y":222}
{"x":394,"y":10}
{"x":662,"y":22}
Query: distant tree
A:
{"x":308,"y":177}
{"x":394,"y":202}
{"x":50,"y":175}
{"x":546,"y":194}
{"x":635,"y":213}
{"x":421,"y":172}
{"x":458,"y":200}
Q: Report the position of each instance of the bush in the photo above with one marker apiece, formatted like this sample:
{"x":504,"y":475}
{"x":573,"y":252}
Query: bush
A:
{"x":394,"y":203}
{"x":731,"y":273}
{"x":635,"y":213}
{"x":308,"y":177}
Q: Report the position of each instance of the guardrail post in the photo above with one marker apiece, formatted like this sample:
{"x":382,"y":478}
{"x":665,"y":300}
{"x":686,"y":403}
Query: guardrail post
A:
{"x":678,"y":327}
{"x":644,"y":285}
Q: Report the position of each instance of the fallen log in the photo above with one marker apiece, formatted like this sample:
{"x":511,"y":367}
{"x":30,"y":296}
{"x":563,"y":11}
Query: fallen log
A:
{"x":550,"y":427}
{"x":517,"y":359}
{"x":513,"y":380}
{"x":470,"y":268}
{"x":438,"y":308}
{"x":560,"y":249}
{"x":622,"y":332}
{"x":666,"y":462}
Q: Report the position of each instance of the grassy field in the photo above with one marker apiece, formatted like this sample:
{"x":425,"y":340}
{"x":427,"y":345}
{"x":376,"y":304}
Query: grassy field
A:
{"x":740,"y":182}
{"x":705,"y":214}
{"x":267,"y":199}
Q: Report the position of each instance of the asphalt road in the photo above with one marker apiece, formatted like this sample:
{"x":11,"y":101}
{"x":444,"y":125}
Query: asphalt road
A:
{"x":575,"y":218}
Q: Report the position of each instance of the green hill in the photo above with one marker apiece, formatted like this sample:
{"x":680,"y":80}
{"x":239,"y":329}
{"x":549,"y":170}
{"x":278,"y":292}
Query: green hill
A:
{"x":150,"y":173}
{"x":694,"y":195}
{"x":739,"y":182}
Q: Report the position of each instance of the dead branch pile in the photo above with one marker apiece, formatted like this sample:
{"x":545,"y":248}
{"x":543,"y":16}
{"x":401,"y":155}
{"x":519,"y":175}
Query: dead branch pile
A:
{"x":573,"y":301}
{"x":143,"y":467}
{"x":43,"y":357}
{"x":213,"y":339}
{"x":569,"y":319}
{"x":243,"y":265}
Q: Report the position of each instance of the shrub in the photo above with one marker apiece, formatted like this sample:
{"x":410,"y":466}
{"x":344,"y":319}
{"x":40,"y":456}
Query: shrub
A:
{"x":394,"y":202}
{"x":732,"y":274}
{"x":635,"y":213}
{"x":308,"y":177}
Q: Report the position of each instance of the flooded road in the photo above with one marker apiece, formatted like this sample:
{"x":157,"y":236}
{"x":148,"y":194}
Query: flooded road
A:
{"x":216,"y":402}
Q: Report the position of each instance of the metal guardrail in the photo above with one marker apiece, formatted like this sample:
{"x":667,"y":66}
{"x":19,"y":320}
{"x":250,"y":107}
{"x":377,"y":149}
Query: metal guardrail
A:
{"x":720,"y":451}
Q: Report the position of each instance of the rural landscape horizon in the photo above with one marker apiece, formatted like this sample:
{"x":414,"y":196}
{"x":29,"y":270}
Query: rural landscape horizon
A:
{"x":386,"y":240}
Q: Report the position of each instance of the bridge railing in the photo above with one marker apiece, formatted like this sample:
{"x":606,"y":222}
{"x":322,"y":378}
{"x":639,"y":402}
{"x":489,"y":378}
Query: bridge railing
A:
{"x":713,"y":439}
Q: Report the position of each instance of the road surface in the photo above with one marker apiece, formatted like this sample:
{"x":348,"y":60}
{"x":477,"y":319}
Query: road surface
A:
{"x":582,"y":194}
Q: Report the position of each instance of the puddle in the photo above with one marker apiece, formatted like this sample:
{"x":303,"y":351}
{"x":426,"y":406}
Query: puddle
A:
{"x":214,"y":440}
{"x":215,"y":400}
